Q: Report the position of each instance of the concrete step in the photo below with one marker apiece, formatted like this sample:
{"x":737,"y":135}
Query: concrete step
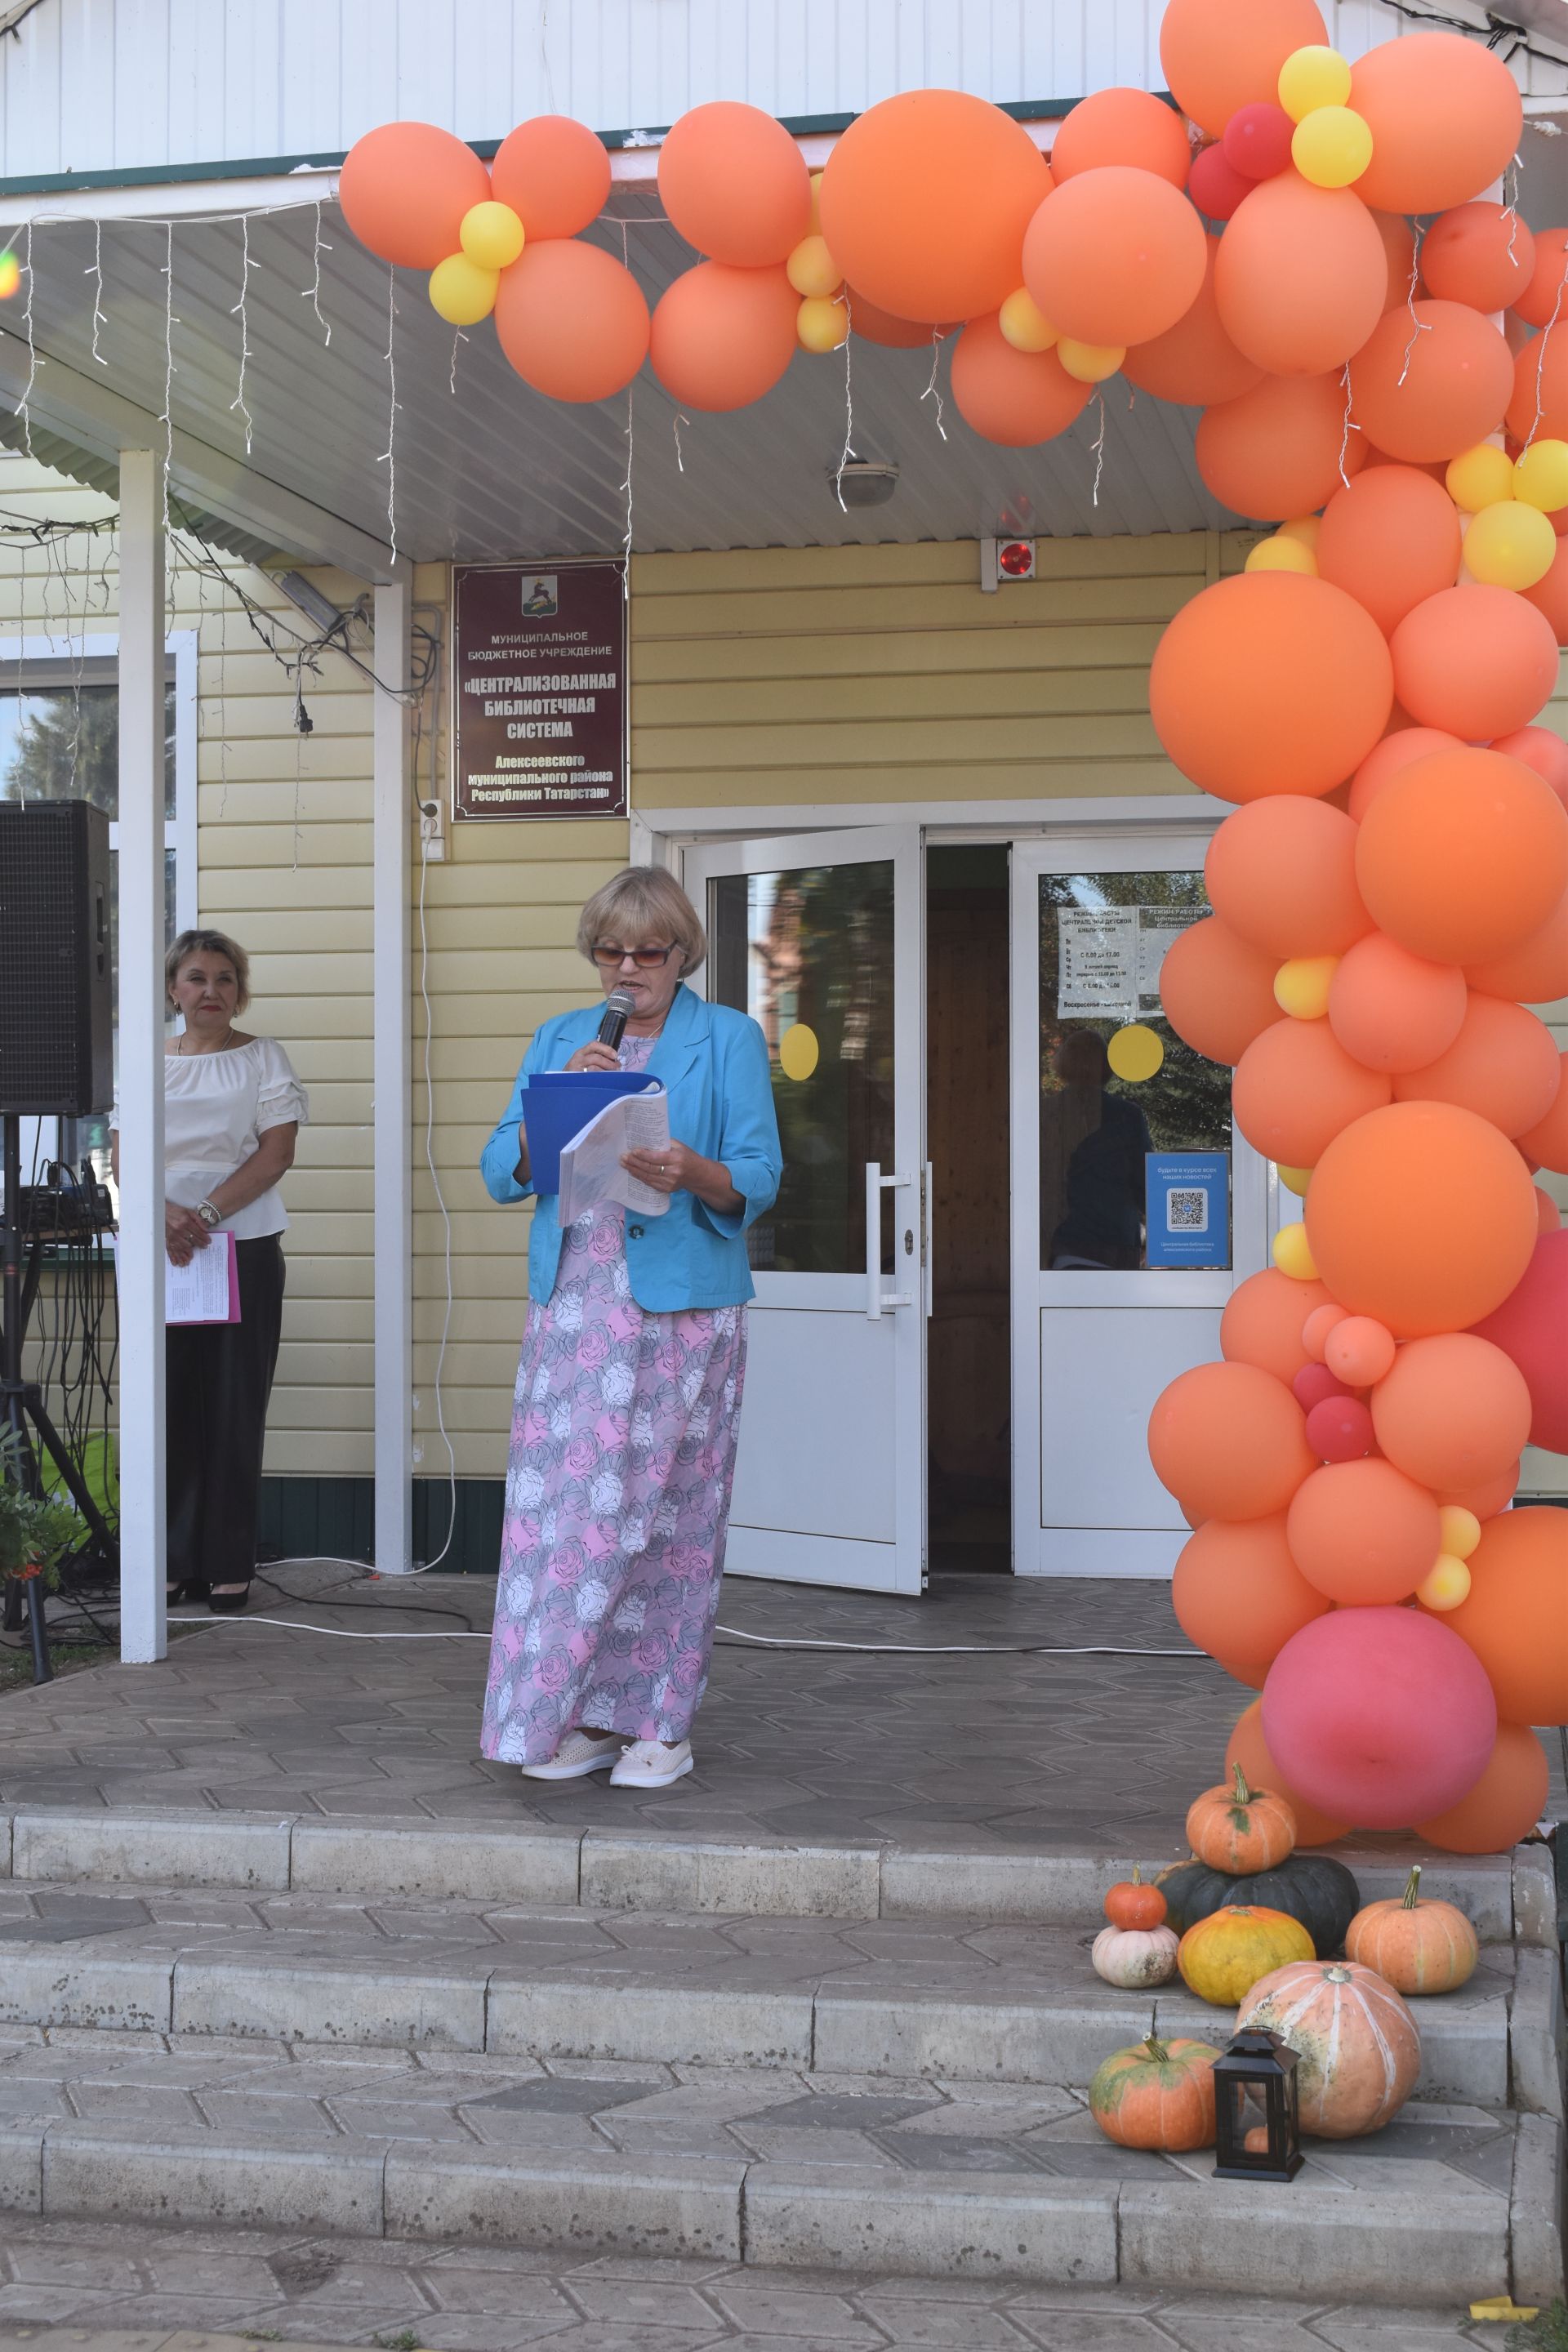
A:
{"x":966,"y":2000}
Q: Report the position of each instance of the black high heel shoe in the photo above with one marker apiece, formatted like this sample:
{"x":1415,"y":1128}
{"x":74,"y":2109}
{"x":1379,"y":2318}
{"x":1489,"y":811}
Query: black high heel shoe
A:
{"x":228,"y":1604}
{"x":194,"y":1588}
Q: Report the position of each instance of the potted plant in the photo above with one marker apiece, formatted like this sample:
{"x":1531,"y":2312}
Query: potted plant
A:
{"x":35,"y":1530}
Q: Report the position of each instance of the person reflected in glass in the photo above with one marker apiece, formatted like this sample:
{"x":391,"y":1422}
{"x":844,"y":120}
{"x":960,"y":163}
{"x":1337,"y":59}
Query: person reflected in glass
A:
{"x":1093,"y":1145}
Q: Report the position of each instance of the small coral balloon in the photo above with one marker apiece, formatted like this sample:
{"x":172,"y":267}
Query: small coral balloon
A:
{"x":1359,"y":1352}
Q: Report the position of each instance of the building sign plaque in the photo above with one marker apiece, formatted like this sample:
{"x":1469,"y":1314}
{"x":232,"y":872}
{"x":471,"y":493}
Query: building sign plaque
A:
{"x":539,"y":690}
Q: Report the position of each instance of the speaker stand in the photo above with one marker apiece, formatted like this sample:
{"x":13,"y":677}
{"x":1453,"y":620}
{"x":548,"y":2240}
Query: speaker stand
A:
{"x":22,"y":1403}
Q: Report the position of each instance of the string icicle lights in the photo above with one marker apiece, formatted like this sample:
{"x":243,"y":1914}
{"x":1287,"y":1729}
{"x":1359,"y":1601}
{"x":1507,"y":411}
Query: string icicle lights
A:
{"x":679,"y":420}
{"x":22,"y":408}
{"x":167,"y":419}
{"x":932,"y":391}
{"x":626,"y":485}
{"x":387,"y":457}
{"x":241,"y":312}
{"x":99,"y":319}
{"x":457,"y":337}
{"x":1349,"y":427}
{"x":1418,"y":327}
{"x":848,"y":449}
{"x":312,"y":293}
{"x":1099,"y":450}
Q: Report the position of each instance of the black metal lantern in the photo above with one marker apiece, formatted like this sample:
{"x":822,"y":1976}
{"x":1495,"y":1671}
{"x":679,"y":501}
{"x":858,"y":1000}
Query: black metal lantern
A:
{"x":1256,"y":2111}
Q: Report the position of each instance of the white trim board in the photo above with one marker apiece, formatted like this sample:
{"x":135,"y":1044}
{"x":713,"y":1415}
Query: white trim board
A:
{"x":655,"y":832}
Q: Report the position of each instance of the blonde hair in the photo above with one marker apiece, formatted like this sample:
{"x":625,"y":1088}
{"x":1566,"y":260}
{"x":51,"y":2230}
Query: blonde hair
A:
{"x":209,"y":943}
{"x":641,"y":906}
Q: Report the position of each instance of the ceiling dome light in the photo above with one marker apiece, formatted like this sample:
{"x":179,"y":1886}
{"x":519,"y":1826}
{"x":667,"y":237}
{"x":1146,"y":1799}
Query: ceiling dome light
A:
{"x":863,"y":481}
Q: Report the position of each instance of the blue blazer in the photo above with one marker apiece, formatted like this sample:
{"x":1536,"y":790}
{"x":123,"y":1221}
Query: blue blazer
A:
{"x":714,"y":1065}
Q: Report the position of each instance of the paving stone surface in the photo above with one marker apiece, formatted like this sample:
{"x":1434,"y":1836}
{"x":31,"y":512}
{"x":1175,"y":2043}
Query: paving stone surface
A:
{"x":64,"y":2282}
{"x":996,"y":1754}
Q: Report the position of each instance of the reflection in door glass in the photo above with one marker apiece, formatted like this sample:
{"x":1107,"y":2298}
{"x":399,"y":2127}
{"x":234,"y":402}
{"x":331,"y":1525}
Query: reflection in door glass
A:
{"x":809,"y":954}
{"x":1132,"y":1120}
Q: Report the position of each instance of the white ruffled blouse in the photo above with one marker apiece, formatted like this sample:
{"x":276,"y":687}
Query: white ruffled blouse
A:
{"x":217,"y":1108}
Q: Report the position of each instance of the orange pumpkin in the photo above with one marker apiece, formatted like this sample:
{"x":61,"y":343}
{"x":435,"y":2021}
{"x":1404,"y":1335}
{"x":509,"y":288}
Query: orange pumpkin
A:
{"x":1222,"y":1956}
{"x":1156,"y":2095}
{"x":1418,"y":1946}
{"x":1131,"y":1904}
{"x":1240,"y":1829}
{"x":1358,"y":2044}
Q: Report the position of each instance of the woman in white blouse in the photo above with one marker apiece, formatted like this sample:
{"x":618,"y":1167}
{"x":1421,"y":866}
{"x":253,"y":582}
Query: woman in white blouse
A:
{"x":232,"y":1111}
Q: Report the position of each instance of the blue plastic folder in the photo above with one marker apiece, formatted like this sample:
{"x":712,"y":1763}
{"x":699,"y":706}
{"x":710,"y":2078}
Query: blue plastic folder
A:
{"x":558,"y":1104}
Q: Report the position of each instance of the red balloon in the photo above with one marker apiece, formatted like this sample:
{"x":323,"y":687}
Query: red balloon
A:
{"x":1314,"y":1384}
{"x":1257,"y":140}
{"x":734,"y":184}
{"x":1280,"y":449}
{"x":554,"y":173}
{"x":1016,"y":398}
{"x":1193,"y":362}
{"x":1214,"y":185}
{"x":571,"y":320}
{"x":404,"y":188}
{"x":1340,"y":1429}
{"x":1379,"y":1717}
{"x":1529,"y":1327}
{"x":723,"y":337}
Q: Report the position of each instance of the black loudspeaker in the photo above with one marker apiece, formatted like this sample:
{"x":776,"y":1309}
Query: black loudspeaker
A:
{"x":56,"y":1043}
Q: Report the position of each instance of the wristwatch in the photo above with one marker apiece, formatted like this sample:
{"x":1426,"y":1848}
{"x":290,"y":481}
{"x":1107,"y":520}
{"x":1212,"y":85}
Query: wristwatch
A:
{"x":211,"y":1218}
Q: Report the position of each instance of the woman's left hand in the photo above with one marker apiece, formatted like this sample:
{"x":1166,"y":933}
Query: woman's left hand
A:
{"x":669,"y":1170}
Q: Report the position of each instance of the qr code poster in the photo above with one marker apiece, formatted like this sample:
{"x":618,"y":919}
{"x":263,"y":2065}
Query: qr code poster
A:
{"x":1187,"y":1208}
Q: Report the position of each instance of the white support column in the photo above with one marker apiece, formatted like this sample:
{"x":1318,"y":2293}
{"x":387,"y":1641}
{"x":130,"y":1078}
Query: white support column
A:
{"x":394,"y":1095}
{"x":143,"y":1530}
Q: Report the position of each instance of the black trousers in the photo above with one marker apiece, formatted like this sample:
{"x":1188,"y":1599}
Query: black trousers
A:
{"x":219,"y":1380}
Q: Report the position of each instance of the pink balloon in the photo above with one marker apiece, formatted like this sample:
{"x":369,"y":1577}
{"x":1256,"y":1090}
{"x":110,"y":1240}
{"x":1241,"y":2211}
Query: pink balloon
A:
{"x":1340,"y":1429}
{"x":1257,"y":140}
{"x":1530,"y":1327}
{"x":1380,"y":1718}
{"x":1314,"y":1384}
{"x":1214,"y":185}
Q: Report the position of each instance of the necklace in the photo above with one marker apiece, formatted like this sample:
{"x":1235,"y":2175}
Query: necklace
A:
{"x":223,"y":1041}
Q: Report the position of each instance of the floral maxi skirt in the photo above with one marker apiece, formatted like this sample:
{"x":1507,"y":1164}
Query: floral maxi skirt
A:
{"x":617,"y":1504}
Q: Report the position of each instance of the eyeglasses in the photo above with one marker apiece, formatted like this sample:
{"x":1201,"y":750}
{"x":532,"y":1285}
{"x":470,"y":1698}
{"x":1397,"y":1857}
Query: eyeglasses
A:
{"x":610,"y":958}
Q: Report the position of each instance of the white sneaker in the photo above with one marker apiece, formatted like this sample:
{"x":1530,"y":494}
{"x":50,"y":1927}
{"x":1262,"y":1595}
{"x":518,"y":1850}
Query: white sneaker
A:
{"x":580,"y":1752}
{"x":649,"y":1764}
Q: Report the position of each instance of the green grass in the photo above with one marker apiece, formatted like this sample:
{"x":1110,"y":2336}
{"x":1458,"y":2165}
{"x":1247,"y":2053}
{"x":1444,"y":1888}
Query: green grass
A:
{"x":67,"y":1657}
{"x":405,"y":2342}
{"x":1547,"y":2334}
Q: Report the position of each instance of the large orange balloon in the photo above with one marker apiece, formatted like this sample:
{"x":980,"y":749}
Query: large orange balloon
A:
{"x":1538,"y":405}
{"x":1217,"y":992}
{"x":1262,"y":1322}
{"x":1248,"y":1748}
{"x":1506,"y":1802}
{"x":554,"y":173}
{"x":1270,"y":682}
{"x":1389,"y":540}
{"x":1016,"y":398}
{"x":1301,"y":276}
{"x":1281,"y":872}
{"x":1533,"y":972}
{"x":1400,"y":748}
{"x":1550,"y":595}
{"x":571,"y":320}
{"x":1115,"y":256}
{"x":1236,"y":1590}
{"x":734,"y":184}
{"x":1431,"y":380}
{"x":1122,"y":126}
{"x":1422,"y":1215}
{"x":1453,"y":1411}
{"x":1445,"y":116}
{"x":1464,"y":854}
{"x":404,"y":188}
{"x":1280,"y":449}
{"x":1547,"y":1142}
{"x":1363,"y":1533}
{"x":1516,"y":1617}
{"x":723,"y":337}
{"x":1476,"y":661}
{"x":1229,"y":1441}
{"x":1392,"y":1010}
{"x":1296,"y":1088}
{"x":1194,"y":363}
{"x":1481,"y":254}
{"x":1503,"y":1066}
{"x":1219,"y":55}
{"x":924,"y":202}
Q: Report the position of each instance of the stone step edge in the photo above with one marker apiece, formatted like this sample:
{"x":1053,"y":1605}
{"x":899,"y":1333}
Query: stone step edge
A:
{"x":1508,"y":1897}
{"x":1383,"y":2245}
{"x":1507,"y":2051}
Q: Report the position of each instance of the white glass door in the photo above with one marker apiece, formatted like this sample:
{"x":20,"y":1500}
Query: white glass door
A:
{"x":818,"y":937}
{"x":1136,"y":1206}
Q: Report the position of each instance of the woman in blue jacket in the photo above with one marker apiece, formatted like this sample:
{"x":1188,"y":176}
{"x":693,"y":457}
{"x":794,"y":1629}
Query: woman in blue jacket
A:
{"x":628,"y":1388}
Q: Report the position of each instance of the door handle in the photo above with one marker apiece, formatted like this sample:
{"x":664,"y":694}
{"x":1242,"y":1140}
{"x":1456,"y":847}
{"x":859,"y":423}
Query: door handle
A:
{"x":877,"y":1299}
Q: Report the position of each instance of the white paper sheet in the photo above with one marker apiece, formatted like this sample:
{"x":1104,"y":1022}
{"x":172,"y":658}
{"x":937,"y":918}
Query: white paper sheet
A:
{"x":591,"y":1170}
{"x":198,"y":1293}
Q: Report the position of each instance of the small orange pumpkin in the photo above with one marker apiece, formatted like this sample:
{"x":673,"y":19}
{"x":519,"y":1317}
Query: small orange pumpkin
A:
{"x":1240,"y":1829}
{"x":1418,"y":1947}
{"x":1131,"y":1904}
{"x":1157,"y":2094}
{"x":1222,"y":1958}
{"x":1358,"y":2045}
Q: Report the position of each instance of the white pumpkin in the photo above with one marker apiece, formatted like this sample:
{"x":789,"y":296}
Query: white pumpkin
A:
{"x":1135,"y":1957}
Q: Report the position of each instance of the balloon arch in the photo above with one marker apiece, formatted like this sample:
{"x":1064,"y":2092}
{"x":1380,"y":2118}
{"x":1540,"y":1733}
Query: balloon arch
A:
{"x":1390,"y":892}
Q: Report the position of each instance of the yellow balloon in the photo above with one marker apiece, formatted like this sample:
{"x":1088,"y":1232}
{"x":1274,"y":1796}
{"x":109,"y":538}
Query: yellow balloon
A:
{"x":1541,"y":476}
{"x":1305,"y":528}
{"x":811,"y":269}
{"x":1295,"y":1179}
{"x":1135,"y":1053}
{"x":1479,"y":477}
{"x":1023,"y":325}
{"x":1302,"y":986}
{"x":1332,"y":146}
{"x":491,"y":236}
{"x":1312,"y":78}
{"x":1510,"y":545}
{"x":1293,"y":1256}
{"x":821,"y":323}
{"x":1445,"y":1585}
{"x":799,"y":1050}
{"x":1461,"y":1530}
{"x":461,"y":292}
{"x":1090,"y":363}
{"x":1282,"y":554}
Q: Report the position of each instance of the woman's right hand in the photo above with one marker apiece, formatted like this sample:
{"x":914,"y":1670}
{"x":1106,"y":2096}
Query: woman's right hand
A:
{"x":595,"y":1057}
{"x":183,"y":1232}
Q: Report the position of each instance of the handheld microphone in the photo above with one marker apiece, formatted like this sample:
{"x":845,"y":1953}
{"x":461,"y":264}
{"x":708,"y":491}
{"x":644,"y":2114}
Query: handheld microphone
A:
{"x":619,"y":1007}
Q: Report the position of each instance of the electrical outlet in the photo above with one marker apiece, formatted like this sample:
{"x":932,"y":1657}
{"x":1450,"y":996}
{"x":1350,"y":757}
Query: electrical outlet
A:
{"x":432,"y":833}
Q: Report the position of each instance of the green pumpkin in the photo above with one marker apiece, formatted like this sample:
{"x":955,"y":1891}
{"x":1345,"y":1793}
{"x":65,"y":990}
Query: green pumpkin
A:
{"x":1311,"y":1887}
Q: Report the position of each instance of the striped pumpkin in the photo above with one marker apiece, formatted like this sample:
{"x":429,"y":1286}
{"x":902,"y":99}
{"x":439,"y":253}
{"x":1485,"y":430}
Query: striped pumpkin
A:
{"x":1357,"y":2043}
